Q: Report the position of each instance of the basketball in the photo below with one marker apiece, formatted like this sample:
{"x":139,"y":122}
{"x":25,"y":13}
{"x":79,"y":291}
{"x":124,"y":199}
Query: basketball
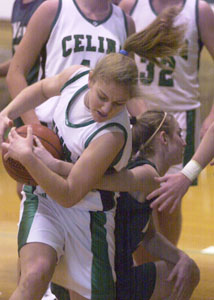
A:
{"x":48,"y":139}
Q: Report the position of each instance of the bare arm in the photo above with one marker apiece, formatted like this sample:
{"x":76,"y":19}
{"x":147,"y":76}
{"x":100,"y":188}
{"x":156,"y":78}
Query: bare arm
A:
{"x":173,"y":187}
{"x":206,"y":28}
{"x":127,"y":5}
{"x":96,"y":159}
{"x":137,"y":179}
{"x":32,"y":96}
{"x":29,"y":49}
{"x":184,"y":268}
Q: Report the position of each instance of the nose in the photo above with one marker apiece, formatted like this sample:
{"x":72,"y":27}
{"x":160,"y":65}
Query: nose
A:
{"x":184,"y":143}
{"x":106,"y":108}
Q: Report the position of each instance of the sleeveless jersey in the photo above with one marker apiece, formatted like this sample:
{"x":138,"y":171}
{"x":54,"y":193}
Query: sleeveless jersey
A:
{"x":75,"y":39}
{"x":176,"y":89}
{"x":21,"y":15}
{"x":76,"y":129}
{"x":131,"y":223}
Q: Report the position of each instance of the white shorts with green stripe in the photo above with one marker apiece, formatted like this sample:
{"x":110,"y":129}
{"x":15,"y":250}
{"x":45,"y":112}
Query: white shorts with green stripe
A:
{"x":83,"y":240}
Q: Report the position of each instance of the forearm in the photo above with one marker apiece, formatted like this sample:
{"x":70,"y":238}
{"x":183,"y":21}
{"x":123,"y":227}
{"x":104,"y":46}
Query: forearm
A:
{"x":16,"y":82}
{"x":26,"y":100}
{"x":205,"y":151}
{"x":165,"y":251}
{"x":57,"y":187}
{"x":61,"y":167}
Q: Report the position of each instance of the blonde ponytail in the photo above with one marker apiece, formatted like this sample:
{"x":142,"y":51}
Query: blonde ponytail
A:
{"x":160,"y":39}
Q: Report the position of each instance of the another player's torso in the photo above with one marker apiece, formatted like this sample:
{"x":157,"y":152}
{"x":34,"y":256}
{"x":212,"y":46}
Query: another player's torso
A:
{"x":176,"y":89}
{"x":77,"y":40}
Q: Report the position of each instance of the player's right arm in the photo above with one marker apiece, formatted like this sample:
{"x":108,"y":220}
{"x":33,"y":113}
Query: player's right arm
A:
{"x":32,"y":96}
{"x":29,"y":49}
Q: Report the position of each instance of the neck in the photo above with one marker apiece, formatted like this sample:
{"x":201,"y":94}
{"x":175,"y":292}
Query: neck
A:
{"x":160,"y":162}
{"x":90,"y":8}
{"x":160,"y":5}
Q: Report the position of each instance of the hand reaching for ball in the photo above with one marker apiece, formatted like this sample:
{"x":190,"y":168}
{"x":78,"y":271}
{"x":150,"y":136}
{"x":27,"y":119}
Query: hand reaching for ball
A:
{"x":45,"y":156}
{"x":26,"y":141}
{"x":18,"y":147}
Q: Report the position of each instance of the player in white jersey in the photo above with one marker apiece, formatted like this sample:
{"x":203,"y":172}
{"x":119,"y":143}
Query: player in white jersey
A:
{"x":176,"y":90}
{"x":111,"y":84}
{"x":66,"y":33}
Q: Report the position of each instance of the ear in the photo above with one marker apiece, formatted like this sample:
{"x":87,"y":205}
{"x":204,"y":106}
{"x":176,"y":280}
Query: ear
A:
{"x":90,"y":80}
{"x":163,"y":137}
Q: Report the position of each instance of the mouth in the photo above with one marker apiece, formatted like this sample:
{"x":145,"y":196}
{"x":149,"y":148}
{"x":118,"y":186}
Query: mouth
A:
{"x":102,"y":115}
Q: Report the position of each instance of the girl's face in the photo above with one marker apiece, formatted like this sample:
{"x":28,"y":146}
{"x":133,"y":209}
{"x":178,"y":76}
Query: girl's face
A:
{"x":106,"y":99}
{"x":176,"y":146}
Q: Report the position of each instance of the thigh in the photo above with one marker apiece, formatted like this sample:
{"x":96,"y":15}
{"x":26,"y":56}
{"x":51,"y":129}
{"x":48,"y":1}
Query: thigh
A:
{"x":137,"y":283}
{"x":39,"y":222}
{"x":162,"y":288}
{"x":87,"y":266}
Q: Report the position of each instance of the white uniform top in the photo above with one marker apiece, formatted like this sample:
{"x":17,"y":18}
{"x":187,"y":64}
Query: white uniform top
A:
{"x":76,"y":129}
{"x":75,"y":39}
{"x":176,"y":90}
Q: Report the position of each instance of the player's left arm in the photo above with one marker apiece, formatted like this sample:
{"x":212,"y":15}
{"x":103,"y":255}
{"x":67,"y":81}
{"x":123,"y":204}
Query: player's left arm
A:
{"x":206,"y":29}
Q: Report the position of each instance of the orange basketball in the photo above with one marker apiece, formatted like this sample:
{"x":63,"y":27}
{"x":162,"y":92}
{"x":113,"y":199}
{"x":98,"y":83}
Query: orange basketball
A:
{"x":49,"y":140}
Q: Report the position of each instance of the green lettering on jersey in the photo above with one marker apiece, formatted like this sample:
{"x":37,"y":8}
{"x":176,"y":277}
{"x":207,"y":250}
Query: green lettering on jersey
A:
{"x":78,"y":41}
{"x":66,"y":52}
{"x":89,"y":47}
{"x":101,"y":44}
{"x":111,"y":46}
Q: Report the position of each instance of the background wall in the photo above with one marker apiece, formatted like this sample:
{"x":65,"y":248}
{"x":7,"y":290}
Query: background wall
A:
{"x":6,"y":8}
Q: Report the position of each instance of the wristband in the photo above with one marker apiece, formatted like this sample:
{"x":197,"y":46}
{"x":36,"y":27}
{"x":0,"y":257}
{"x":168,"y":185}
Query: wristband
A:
{"x":192,"y":170}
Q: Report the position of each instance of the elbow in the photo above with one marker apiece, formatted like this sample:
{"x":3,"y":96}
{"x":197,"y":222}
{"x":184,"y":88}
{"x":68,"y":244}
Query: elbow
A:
{"x":71,"y":197}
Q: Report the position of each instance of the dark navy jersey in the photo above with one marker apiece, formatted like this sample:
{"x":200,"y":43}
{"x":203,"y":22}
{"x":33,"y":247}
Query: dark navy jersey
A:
{"x":132,"y":219}
{"x":21,"y":15}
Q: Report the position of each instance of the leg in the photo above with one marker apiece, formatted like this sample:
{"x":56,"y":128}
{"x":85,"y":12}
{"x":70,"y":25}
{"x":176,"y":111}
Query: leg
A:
{"x":163,"y":288}
{"x":38,"y":262}
{"x":75,"y":296}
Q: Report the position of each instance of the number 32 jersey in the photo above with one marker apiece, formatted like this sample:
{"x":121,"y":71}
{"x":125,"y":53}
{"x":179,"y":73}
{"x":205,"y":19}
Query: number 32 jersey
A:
{"x":176,"y":89}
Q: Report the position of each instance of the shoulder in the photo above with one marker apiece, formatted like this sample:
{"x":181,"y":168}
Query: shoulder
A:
{"x":127,"y":5}
{"x":205,"y":12}
{"x":131,"y":25}
{"x":72,"y":71}
{"x":206,"y":25}
{"x":48,"y":8}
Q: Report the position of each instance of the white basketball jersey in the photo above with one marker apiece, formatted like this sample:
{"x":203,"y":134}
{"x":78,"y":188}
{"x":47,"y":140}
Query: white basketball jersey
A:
{"x":75,"y":39}
{"x":76,"y":129}
{"x":176,"y":89}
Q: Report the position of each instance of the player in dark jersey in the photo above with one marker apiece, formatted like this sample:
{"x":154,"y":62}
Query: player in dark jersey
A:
{"x":157,"y":144}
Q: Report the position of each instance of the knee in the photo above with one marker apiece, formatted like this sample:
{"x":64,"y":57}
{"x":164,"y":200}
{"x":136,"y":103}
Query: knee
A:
{"x":40,"y":271}
{"x":195,"y":275}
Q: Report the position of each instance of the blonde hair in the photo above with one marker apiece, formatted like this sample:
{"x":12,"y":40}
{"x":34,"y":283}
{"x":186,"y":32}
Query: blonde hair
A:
{"x":147,"y":127}
{"x":160,"y":39}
